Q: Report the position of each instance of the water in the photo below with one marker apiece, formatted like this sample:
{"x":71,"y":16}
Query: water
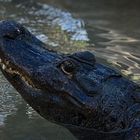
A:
{"x":110,"y":29}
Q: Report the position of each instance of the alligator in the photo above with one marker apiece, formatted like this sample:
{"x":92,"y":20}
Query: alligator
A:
{"x":90,"y":99}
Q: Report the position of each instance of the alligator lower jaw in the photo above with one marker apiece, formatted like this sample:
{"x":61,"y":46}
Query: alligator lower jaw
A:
{"x":5,"y":66}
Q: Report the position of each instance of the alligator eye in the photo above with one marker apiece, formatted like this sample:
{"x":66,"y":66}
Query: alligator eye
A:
{"x":68,"y":67}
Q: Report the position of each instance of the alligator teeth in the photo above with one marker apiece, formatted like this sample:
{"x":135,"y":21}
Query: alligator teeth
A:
{"x":7,"y":62}
{"x":8,"y":69}
{"x":3,"y":66}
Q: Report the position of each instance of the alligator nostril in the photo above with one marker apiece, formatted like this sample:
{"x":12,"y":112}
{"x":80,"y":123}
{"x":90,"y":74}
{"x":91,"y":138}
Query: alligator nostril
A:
{"x":8,"y":36}
{"x":12,"y":34}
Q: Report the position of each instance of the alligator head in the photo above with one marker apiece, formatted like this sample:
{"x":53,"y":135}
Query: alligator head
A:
{"x":73,"y":90}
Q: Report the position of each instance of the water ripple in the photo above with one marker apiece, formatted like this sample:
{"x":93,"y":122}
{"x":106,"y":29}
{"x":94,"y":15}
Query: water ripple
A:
{"x":117,"y":50}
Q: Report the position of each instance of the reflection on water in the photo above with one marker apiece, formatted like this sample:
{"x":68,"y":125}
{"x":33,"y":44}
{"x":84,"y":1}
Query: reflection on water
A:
{"x":118,"y":51}
{"x":19,"y":126}
{"x":110,"y":29}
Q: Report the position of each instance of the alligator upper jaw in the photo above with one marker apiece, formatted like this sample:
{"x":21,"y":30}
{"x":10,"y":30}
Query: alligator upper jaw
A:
{"x":21,"y":53}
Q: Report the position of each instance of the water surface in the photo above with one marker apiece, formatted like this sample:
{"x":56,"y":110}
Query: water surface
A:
{"x":109,"y":29}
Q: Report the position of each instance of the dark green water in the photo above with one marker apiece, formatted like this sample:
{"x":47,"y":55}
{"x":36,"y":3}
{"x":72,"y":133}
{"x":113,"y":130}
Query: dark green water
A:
{"x":110,"y":29}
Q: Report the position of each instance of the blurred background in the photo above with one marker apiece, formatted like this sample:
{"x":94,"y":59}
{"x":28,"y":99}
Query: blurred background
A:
{"x":109,"y":29}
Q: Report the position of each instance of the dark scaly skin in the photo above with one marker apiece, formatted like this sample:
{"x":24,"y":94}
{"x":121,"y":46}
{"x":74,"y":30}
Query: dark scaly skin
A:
{"x":93,"y":101}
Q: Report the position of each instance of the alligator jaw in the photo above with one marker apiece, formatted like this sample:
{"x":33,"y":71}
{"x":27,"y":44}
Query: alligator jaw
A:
{"x":5,"y":66}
